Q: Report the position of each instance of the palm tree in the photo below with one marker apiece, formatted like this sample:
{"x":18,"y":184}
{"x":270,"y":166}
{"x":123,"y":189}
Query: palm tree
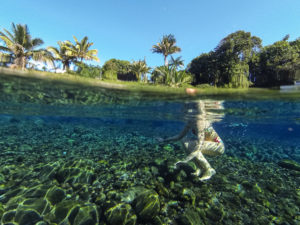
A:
{"x":81,"y":49}
{"x":140,"y":68}
{"x":166,"y":47}
{"x":177,"y":62}
{"x":21,"y":46}
{"x":63,"y":54}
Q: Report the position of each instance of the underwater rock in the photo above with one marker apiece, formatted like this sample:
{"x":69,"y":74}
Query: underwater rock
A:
{"x":147,"y":204}
{"x":120,"y":213}
{"x":41,"y":223}
{"x":188,"y":195}
{"x":27,"y":217}
{"x":10,"y":194}
{"x":2,"y":179}
{"x":215,"y":213}
{"x":80,"y":171}
{"x":8,"y":216}
{"x":55,"y":195}
{"x":181,"y":176}
{"x":63,"y":211}
{"x":289,"y":164}
{"x":130,"y":195}
{"x":86,"y":215}
{"x":100,"y":199}
{"x":47,"y":172}
{"x":190,"y":217}
{"x":25,"y":147}
{"x":161,"y":189}
{"x":158,"y":221}
{"x":1,"y":211}
{"x":38,"y":204}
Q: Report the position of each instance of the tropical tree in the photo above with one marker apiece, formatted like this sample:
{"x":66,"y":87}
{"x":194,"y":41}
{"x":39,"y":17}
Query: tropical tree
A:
{"x":81,"y":49}
{"x":63,"y":54}
{"x":167,"y":46}
{"x":157,"y":76}
{"x":233,"y":55}
{"x":228,"y":64}
{"x":85,"y":70}
{"x":21,"y":47}
{"x":204,"y":69}
{"x":176,"y":62}
{"x":278,"y":64}
{"x":114,"y":69}
{"x":117,"y":65}
{"x":140,"y":68}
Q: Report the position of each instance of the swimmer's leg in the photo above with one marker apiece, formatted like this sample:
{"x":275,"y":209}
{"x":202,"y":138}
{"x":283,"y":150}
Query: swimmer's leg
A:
{"x":201,"y":162}
{"x":190,"y":147}
{"x":211,"y":148}
{"x":213,"y":144}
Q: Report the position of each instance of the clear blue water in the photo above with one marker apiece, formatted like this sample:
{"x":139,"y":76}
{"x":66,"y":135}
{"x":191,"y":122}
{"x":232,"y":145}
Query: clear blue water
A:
{"x":43,"y":127}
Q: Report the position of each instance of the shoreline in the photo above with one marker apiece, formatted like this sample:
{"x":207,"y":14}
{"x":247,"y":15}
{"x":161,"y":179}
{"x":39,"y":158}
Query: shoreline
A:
{"x":260,"y":93}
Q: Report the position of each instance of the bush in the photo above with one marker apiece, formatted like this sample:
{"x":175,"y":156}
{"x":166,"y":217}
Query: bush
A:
{"x":90,"y":71}
{"x":204,"y":86}
{"x":110,"y":75}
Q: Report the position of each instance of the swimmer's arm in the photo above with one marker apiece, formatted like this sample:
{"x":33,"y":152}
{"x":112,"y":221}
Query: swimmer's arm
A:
{"x":180,"y":135}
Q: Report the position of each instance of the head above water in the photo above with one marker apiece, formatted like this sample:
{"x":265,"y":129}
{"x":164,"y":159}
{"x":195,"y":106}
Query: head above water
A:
{"x":191,"y":91}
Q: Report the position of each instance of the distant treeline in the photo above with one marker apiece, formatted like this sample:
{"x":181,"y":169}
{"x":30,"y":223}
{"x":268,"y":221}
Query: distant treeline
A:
{"x":239,"y":60}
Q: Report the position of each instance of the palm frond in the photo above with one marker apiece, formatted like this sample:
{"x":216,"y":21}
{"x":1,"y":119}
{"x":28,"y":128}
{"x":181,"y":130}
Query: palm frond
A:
{"x":37,"y":42}
{"x":5,"y":49}
{"x":42,"y":55}
{"x":9,"y":43}
{"x":8,"y":33}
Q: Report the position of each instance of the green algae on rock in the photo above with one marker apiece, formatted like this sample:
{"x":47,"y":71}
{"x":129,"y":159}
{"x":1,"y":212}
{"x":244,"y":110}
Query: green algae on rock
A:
{"x":190,"y":217}
{"x":289,"y":164}
{"x":147,"y":204}
{"x":120,"y":213}
{"x":55,"y":195}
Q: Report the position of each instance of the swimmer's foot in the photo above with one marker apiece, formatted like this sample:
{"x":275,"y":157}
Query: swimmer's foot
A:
{"x":207,"y":174}
{"x":197,"y":172}
{"x":179,"y":164}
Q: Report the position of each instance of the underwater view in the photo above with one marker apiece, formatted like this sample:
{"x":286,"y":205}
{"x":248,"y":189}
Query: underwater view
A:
{"x":86,"y":155}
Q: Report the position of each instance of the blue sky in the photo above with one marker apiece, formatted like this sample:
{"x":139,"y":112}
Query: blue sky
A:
{"x":127,"y":29}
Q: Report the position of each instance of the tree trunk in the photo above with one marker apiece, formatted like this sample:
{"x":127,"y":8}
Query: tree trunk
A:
{"x":23,"y":63}
{"x":166,"y":61}
{"x":66,"y":66}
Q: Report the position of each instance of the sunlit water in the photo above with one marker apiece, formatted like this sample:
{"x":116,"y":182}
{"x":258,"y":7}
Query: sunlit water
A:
{"x":43,"y":125}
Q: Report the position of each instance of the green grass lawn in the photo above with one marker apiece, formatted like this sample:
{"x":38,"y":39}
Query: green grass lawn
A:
{"x":141,"y":87}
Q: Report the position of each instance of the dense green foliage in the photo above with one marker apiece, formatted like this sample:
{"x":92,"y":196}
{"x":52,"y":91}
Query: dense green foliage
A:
{"x":240,"y":61}
{"x":228,"y":64}
{"x":170,"y":76}
{"x":140,"y":69}
{"x":277,"y":64}
{"x":90,"y":71}
{"x":114,"y":69}
{"x":20,"y":47}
